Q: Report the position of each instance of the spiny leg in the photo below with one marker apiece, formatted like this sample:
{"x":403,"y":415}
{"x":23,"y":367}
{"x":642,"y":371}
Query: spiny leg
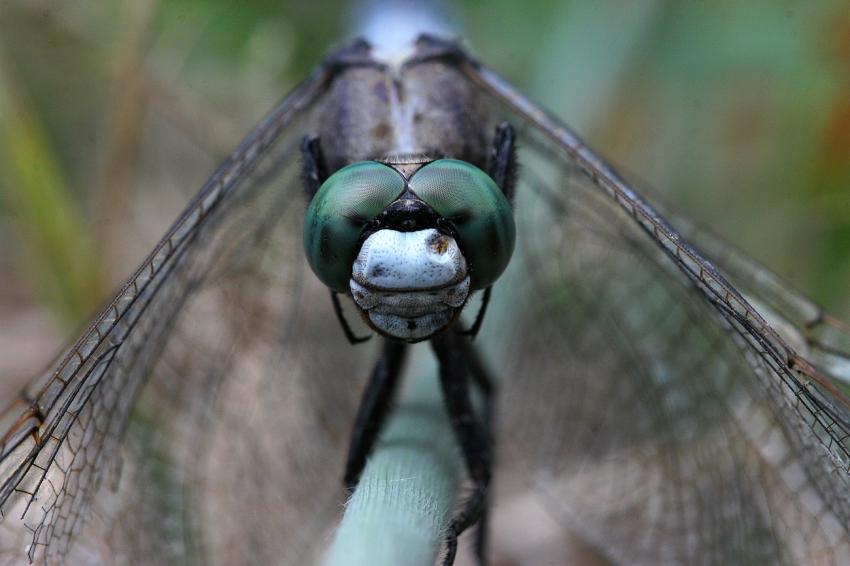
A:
{"x":373,"y":409}
{"x":503,"y":163}
{"x":346,"y":328}
{"x":314,"y":172}
{"x":472,"y":435}
{"x":502,"y":169}
{"x":487,"y":386}
{"x":472,"y":332}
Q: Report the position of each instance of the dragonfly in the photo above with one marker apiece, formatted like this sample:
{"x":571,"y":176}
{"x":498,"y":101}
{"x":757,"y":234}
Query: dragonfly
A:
{"x":666,"y":398}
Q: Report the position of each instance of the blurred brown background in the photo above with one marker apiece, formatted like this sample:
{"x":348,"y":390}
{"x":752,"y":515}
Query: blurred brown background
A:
{"x":113,"y":113}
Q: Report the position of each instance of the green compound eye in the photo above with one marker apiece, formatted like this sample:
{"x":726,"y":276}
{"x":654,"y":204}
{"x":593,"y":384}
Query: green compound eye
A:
{"x":339,"y":211}
{"x":471,"y":201}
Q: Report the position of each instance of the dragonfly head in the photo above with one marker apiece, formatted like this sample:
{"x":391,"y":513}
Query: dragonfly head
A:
{"x":409,"y":247}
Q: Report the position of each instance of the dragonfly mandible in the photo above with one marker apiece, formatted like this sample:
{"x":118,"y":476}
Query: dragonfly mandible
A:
{"x":687,"y":404}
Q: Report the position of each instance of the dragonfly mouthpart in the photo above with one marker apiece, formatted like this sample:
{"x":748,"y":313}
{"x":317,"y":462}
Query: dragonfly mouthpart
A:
{"x":410,"y":285}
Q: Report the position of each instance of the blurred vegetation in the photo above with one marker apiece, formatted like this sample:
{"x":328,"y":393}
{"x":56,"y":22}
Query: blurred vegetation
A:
{"x":112,"y":114}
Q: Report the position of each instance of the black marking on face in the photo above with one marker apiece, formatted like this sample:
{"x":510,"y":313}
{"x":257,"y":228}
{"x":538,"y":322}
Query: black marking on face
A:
{"x":408,"y":214}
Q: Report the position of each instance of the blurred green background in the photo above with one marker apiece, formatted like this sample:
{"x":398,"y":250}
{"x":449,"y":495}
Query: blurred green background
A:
{"x":113,"y":113}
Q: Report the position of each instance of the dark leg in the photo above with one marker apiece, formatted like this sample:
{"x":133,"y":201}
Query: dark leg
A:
{"x":479,"y":373}
{"x":503,"y":160}
{"x":349,"y":334}
{"x":472,"y":435}
{"x":314,"y":170}
{"x":487,"y":387}
{"x":479,"y":318}
{"x":502,"y":169}
{"x":373,"y":410}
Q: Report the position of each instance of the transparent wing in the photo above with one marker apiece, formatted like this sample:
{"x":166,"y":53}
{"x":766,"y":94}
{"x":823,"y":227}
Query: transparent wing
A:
{"x":652,"y":410}
{"x":82,"y":481}
{"x":814,"y":334}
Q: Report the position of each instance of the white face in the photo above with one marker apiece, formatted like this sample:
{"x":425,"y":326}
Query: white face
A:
{"x":410,"y":284}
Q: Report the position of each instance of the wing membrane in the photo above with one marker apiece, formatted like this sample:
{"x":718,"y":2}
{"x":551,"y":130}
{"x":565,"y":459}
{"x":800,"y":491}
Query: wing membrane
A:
{"x":680,"y":422}
{"x":64,"y":429}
